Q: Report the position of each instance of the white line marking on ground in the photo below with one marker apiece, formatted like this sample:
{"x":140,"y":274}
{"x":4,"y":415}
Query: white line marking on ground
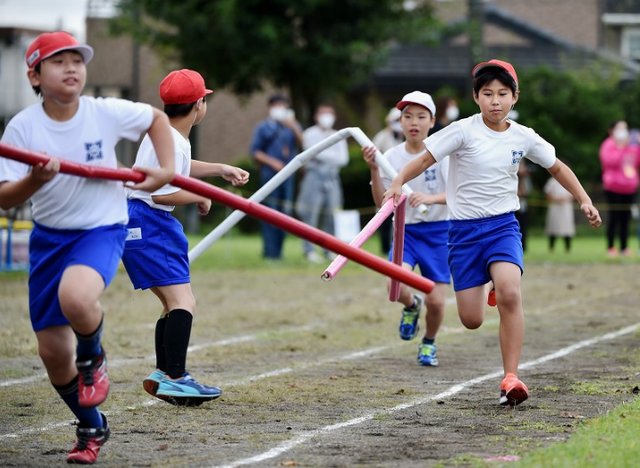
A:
{"x":191,"y":349}
{"x":304,"y":436}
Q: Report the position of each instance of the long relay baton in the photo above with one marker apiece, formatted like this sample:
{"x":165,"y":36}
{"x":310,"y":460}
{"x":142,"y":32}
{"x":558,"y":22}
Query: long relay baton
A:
{"x":372,"y":226}
{"x":219,"y":195}
{"x":398,"y":246}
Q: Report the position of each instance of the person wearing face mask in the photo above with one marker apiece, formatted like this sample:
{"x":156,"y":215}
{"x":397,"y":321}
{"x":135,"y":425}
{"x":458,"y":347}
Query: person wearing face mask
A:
{"x":275,"y":142}
{"x":320,"y":188}
{"x":619,"y":160}
{"x":447,"y":112}
{"x":387,"y":138}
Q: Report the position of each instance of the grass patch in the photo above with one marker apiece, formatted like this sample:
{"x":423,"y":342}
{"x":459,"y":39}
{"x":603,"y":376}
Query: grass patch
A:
{"x":609,"y":441}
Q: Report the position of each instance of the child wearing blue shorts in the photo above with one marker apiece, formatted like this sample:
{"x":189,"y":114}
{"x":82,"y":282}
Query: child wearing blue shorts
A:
{"x":485,"y":151}
{"x":425,"y":237}
{"x":79,"y":223}
{"x":156,"y":248}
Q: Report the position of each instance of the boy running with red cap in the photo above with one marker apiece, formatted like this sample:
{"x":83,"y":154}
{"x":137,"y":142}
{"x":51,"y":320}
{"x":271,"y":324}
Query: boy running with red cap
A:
{"x":156,"y":250}
{"x":79,"y":223}
{"x":484,"y":239}
{"x":425,"y":239}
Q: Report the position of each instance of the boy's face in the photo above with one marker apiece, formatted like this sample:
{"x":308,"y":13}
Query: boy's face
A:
{"x":416,"y":121}
{"x":62,"y":76}
{"x":495,"y":100}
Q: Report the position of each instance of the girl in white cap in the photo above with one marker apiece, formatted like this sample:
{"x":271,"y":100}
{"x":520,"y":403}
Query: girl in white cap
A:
{"x":425,"y":240}
{"x":484,"y":240}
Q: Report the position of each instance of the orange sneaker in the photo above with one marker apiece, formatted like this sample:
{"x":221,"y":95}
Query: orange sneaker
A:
{"x":491,"y":298}
{"x":512,"y":391}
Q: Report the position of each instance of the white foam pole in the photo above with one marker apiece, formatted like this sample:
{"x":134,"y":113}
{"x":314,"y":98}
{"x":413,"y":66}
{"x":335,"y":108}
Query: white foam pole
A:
{"x":288,"y":170}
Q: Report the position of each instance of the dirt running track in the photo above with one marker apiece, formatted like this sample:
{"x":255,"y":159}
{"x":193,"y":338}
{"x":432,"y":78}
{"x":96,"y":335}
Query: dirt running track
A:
{"x":314,"y":374}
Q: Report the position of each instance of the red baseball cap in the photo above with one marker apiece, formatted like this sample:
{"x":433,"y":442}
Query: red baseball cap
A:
{"x":183,"y":87}
{"x":47,"y":44}
{"x":506,"y":66}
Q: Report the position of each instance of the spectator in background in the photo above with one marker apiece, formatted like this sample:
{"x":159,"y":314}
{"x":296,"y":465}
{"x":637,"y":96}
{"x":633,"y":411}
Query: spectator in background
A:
{"x":387,"y":138}
{"x":446,"y":112}
{"x":320,"y":189}
{"x":560,"y":221}
{"x":275,"y":142}
{"x":620,"y":161}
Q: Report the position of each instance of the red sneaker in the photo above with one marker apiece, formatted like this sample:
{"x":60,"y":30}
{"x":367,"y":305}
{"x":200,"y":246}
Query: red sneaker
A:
{"x":491,"y":298}
{"x":93,"y":382}
{"x":512,"y":391}
{"x":88,"y":443}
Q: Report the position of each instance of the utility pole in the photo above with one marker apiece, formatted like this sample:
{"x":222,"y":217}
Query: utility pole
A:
{"x":476,"y":21}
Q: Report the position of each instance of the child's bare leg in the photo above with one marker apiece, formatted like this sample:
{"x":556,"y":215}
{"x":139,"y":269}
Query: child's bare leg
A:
{"x":471,"y":305}
{"x":435,"y":310}
{"x":56,"y":347}
{"x":506,"y":277}
{"x":79,"y":294}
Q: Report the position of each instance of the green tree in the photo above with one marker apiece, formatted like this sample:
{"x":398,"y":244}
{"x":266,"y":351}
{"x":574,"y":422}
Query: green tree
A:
{"x":313,"y":48}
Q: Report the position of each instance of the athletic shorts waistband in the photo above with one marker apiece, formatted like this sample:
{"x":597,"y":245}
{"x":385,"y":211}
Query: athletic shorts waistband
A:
{"x":488,"y":219}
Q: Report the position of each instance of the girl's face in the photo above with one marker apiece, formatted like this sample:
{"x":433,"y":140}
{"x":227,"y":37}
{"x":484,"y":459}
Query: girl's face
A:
{"x":62,"y":77}
{"x":416,"y":121}
{"x":495,"y":101}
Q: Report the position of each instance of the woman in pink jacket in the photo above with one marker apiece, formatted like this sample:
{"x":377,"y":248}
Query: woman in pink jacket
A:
{"x":620,"y":161}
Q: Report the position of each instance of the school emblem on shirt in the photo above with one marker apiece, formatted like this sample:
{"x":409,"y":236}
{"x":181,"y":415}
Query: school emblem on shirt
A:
{"x":94,"y":150}
{"x":516,"y":156}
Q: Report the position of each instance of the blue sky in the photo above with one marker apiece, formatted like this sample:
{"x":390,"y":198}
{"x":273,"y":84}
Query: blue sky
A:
{"x":45,"y":14}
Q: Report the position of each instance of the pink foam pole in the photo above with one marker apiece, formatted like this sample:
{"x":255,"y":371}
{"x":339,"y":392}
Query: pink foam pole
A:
{"x":398,"y":246}
{"x":358,"y":241}
{"x":256,"y":210}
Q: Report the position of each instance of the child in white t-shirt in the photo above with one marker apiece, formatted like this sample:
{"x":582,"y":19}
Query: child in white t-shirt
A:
{"x":156,"y":250}
{"x":79,"y":223}
{"x":425,"y":239}
{"x":484,"y":240}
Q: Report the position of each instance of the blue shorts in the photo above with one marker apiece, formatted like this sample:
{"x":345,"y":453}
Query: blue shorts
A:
{"x":156,"y":252}
{"x":476,"y":243}
{"x":51,"y":251}
{"x":425,"y":245}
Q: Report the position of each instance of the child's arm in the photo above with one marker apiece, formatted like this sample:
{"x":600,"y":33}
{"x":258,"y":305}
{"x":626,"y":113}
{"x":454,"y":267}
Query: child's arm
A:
{"x":160,"y":134}
{"x":15,"y":193}
{"x":419,"y":198}
{"x":377,"y":188}
{"x":410,"y":171}
{"x":567,"y":178}
{"x":235,"y":175}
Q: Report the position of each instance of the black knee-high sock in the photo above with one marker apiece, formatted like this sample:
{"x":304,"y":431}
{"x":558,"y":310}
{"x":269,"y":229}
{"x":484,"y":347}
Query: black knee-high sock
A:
{"x":176,"y":341}
{"x":89,"y":345}
{"x":87,"y":417}
{"x":161,"y":354}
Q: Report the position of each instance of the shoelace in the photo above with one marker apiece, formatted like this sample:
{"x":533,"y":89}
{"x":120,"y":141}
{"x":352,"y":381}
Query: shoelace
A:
{"x":83,"y":439}
{"x":87,"y":375}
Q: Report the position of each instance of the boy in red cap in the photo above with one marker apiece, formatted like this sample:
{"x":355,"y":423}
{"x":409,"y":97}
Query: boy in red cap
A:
{"x":156,"y":250}
{"x":79,"y":223}
{"x":484,"y":239}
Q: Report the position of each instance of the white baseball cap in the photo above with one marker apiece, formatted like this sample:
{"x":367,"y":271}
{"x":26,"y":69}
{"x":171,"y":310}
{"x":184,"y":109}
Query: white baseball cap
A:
{"x":420,"y":98}
{"x":393,"y":115}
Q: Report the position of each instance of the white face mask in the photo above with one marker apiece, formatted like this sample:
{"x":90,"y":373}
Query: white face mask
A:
{"x":452,"y":113}
{"x":326,"y":120}
{"x":621,"y":134}
{"x":278,"y":113}
{"x":396,"y":127}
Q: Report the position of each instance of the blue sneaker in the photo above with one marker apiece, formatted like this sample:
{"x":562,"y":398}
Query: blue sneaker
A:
{"x":427,"y":355}
{"x":409,"y":326}
{"x":151,"y":383}
{"x":186,"y":391}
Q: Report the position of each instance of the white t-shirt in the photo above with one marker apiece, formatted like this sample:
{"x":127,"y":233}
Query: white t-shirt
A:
{"x":89,"y":137}
{"x":329,"y":160}
{"x":431,"y":182}
{"x":483,"y":167}
{"x":147,"y":157}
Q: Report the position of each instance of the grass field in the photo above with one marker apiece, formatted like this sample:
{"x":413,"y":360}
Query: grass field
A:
{"x":313,"y":372}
